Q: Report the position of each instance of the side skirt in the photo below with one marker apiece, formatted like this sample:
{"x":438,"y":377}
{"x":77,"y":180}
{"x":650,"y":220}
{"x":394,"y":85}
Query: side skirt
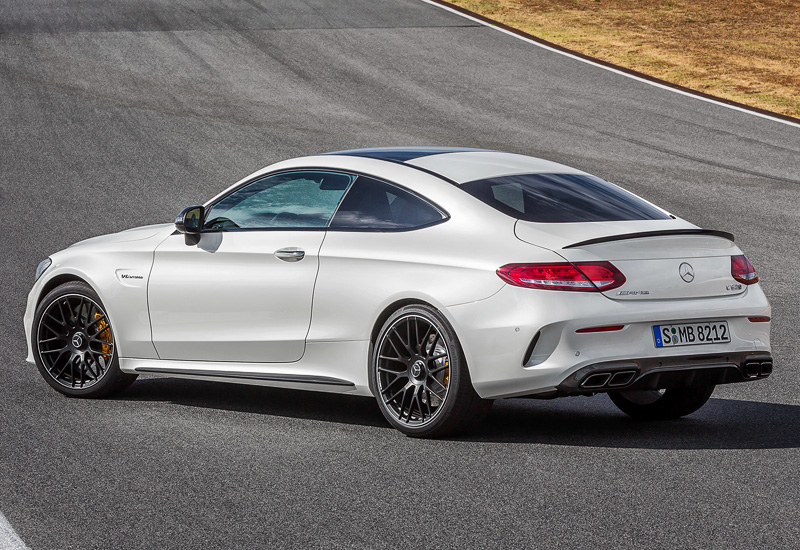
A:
{"x":299,"y":378}
{"x":314,"y":376}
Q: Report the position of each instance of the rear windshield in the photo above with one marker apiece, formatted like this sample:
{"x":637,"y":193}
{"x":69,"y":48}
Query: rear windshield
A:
{"x":561,"y":198}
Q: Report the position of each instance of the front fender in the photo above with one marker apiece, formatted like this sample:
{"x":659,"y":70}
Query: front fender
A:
{"x":119,"y":272}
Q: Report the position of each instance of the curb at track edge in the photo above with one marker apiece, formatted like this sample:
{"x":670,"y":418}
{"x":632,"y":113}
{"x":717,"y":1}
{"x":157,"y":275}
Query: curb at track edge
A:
{"x":630,"y":73}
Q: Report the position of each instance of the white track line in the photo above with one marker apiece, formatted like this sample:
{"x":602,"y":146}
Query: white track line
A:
{"x":634,"y":77}
{"x":9,"y":540}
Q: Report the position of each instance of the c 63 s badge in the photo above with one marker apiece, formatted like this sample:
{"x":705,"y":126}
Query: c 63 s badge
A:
{"x":632,"y":292}
{"x":130,"y":277}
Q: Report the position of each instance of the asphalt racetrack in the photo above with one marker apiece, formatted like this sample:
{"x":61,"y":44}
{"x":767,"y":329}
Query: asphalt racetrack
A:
{"x":115,"y":114}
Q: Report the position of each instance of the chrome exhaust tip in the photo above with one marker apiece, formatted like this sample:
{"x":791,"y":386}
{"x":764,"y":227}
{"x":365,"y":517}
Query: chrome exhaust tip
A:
{"x":596,"y":380}
{"x":752,"y":369}
{"x":621,"y":378}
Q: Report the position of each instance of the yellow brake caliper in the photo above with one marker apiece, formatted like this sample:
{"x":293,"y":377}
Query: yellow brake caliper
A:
{"x":103,"y":334}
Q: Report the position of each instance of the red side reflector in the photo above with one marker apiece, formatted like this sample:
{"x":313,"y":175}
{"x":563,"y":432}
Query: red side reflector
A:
{"x":608,"y":328}
{"x":758,"y":319}
{"x":742,"y":270}
{"x":581,"y":277}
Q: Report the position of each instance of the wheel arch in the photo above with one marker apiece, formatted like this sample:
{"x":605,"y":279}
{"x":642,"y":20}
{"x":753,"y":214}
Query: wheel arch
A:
{"x":391,"y":308}
{"x":59,"y":280}
{"x":409,"y":301}
{"x":111,"y":297}
{"x":378,"y":325}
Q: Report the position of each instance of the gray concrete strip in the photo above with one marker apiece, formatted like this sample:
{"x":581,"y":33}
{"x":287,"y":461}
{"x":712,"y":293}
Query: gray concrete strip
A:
{"x":9,"y":540}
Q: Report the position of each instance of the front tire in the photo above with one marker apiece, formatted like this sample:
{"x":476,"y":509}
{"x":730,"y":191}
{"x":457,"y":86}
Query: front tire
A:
{"x":73,"y":343}
{"x":420,"y":377}
{"x":662,"y":404}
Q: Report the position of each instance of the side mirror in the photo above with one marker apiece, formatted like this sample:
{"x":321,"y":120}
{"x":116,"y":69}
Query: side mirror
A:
{"x":190,"y":220}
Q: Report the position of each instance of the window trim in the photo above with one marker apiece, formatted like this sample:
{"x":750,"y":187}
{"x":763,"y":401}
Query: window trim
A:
{"x":207,"y":207}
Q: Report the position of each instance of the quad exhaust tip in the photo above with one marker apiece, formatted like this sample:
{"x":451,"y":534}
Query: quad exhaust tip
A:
{"x":619,"y":379}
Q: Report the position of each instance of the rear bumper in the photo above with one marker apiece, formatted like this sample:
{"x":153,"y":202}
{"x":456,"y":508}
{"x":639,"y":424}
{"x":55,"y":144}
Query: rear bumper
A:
{"x":666,"y":372}
{"x":523,"y":341}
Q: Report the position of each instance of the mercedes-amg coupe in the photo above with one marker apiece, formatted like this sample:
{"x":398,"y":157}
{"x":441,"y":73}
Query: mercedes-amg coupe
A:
{"x":434,"y":279}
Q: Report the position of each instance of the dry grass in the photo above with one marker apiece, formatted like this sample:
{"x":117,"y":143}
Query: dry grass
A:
{"x":743,"y":50}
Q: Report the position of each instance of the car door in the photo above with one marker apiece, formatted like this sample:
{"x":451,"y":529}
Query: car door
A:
{"x":242,"y":291}
{"x":377,"y":245}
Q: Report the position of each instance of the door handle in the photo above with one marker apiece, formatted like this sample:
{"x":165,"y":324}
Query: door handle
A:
{"x":290,"y":254}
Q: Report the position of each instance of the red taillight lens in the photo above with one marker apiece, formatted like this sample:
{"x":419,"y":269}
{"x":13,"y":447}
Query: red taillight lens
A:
{"x":742,"y":270}
{"x":581,"y":277}
{"x":603,"y":274}
{"x":562,"y":276}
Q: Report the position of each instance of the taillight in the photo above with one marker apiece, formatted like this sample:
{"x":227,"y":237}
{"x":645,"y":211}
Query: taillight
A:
{"x":582,"y":276}
{"x":742,"y":270}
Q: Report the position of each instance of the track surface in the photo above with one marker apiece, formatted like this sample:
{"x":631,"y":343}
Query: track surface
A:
{"x":116,"y":114}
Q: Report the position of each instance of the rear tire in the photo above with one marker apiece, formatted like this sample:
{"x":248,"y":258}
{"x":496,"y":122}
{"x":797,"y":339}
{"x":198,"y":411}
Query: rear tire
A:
{"x":73,"y":343}
{"x":420,"y":378}
{"x":662,"y":404}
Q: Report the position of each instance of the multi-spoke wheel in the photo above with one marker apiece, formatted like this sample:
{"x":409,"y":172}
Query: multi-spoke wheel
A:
{"x":74,"y":345}
{"x":661,"y":404}
{"x":420,"y":377}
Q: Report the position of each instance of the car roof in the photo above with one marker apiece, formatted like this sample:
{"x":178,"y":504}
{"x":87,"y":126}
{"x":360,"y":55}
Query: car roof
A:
{"x":460,"y":164}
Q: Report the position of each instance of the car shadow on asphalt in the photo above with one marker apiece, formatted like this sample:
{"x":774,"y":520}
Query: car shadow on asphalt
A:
{"x":328,"y":407}
{"x":596,"y":422}
{"x":577,"y":421}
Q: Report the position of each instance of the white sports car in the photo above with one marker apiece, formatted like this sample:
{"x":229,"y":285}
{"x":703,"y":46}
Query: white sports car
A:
{"x":435,"y":279}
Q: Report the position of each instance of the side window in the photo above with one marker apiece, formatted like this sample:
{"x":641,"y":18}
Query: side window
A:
{"x":374,"y":205}
{"x":291,"y":200}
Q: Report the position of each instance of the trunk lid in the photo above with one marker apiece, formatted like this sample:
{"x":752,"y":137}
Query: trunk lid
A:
{"x":661,"y":259}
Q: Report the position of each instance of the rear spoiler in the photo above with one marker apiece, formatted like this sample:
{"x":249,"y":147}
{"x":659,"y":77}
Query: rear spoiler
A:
{"x":645,"y":234}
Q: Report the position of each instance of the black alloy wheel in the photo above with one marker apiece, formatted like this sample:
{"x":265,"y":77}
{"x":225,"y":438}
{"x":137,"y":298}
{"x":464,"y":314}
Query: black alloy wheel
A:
{"x":74,"y":345}
{"x":420,"y":377}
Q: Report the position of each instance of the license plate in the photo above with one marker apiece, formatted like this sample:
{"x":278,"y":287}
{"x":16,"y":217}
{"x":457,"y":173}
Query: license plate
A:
{"x":691,"y":334}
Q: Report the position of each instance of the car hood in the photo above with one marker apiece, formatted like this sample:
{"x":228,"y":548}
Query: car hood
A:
{"x":128,"y":235}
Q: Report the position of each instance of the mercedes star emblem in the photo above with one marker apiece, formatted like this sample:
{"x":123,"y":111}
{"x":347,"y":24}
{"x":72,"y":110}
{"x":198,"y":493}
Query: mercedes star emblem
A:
{"x":687,"y":272}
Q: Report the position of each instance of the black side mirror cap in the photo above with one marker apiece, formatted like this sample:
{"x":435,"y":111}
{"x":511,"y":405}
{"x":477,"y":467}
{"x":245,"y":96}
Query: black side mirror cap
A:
{"x":190,"y":220}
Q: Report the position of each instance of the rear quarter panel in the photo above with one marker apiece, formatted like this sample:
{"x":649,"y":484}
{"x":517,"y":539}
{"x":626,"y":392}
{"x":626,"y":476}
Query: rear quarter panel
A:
{"x":362,"y":274}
